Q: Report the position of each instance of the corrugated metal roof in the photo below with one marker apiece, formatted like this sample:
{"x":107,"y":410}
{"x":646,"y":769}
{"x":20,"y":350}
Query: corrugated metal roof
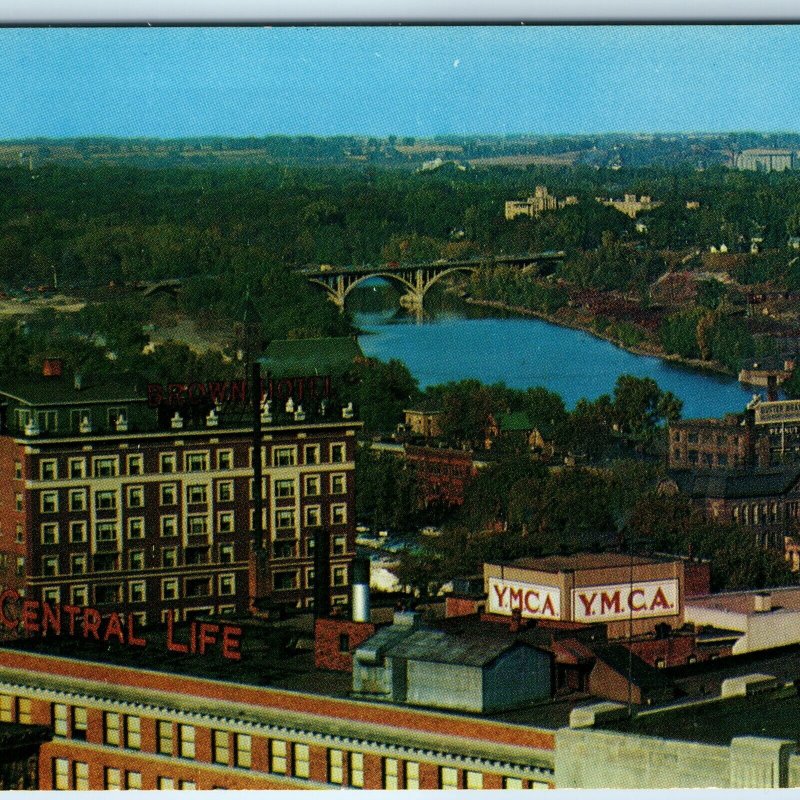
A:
{"x":730,"y":484}
{"x":468,"y":648}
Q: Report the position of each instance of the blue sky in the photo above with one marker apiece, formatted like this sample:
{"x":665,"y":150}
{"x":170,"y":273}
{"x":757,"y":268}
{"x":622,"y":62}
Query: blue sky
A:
{"x":174,"y":82}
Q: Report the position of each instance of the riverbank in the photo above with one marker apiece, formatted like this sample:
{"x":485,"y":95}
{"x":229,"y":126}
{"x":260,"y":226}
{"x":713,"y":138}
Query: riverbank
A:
{"x":643,"y":349}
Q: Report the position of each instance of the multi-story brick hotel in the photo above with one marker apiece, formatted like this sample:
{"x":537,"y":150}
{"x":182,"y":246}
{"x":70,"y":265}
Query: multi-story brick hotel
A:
{"x":118,"y":494}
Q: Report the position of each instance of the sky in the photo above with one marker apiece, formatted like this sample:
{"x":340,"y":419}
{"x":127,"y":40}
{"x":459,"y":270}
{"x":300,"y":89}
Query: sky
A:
{"x":412,"y":81}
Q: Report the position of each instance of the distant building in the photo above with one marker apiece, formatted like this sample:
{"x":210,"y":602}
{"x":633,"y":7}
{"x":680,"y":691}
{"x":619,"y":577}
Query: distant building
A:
{"x":443,"y":474}
{"x":692,"y":205}
{"x":768,"y":372}
{"x":536,"y":204}
{"x":424,"y":422}
{"x":517,"y":423}
{"x":630,"y":205}
{"x":19,"y":754}
{"x":708,"y":443}
{"x":765,"y":160}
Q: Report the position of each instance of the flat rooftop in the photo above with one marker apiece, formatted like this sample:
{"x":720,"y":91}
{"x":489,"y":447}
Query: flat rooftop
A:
{"x":583,"y":561}
{"x":783,"y":599}
{"x":772,"y":714}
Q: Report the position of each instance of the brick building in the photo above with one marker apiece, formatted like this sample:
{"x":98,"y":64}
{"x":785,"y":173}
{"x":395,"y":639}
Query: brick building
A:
{"x":706,"y":443}
{"x":125,"y":496}
{"x":443,"y":474}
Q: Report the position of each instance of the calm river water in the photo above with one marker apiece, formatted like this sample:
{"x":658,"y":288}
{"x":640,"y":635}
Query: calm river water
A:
{"x":524,"y":352}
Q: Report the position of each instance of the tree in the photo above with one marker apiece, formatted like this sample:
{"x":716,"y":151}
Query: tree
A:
{"x":640,"y":407}
{"x":381,"y":392}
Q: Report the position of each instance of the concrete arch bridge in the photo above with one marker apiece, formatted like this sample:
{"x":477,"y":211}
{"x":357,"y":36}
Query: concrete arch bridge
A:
{"x":413,"y":279}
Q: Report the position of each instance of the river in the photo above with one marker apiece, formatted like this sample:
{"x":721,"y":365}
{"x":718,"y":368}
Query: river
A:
{"x":524,"y":352}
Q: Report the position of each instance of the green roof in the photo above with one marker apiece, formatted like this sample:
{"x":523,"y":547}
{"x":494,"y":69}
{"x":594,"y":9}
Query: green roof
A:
{"x":516,"y":421}
{"x":42,"y":391}
{"x":295,"y":357}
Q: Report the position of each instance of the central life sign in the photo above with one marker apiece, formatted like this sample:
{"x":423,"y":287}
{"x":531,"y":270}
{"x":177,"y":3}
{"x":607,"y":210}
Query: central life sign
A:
{"x":636,"y":600}
{"x":532,"y":600}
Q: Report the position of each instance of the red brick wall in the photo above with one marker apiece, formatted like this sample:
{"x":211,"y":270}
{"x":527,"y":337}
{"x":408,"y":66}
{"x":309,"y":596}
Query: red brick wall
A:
{"x":462,"y":606}
{"x":327,"y":633}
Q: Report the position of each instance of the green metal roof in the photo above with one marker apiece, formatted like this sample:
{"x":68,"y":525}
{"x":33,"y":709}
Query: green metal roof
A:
{"x":295,"y":357}
{"x":516,"y":421}
{"x":42,"y":391}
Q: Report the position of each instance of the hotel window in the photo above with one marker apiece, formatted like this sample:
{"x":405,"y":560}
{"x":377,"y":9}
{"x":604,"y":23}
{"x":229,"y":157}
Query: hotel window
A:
{"x":169,"y":589}
{"x":52,"y":595}
{"x":50,"y":533}
{"x":6,"y":708}
{"x":78,"y":563}
{"x":166,"y":463}
{"x":338,"y":484}
{"x":244,"y":748}
{"x":338,"y":514}
{"x":136,"y":528}
{"x":166,"y":784}
{"x":48,"y":502}
{"x":106,"y":531}
{"x":80,"y":595}
{"x":164,"y":737}
{"x":339,"y":576}
{"x":77,"y":531}
{"x":186,"y":740}
{"x":277,"y":757}
{"x":19,"y":537}
{"x":79,"y":723}
{"x":111,"y":728}
{"x":168,"y":494}
{"x":50,"y":566}
{"x":412,"y":775}
{"x":539,"y":785}
{"x":169,"y":557}
{"x":133,"y":780}
{"x":227,"y":584}
{"x":196,"y":462}
{"x":313,"y":516}
{"x":77,"y":468}
{"x":284,"y":488}
{"x":448,"y":778}
{"x":284,"y":518}
{"x":390,"y":774}
{"x":20,"y":566}
{"x":284,"y":456}
{"x":133,"y":733}
{"x":80,"y":776}
{"x":105,"y":467}
{"x":225,"y":522}
{"x":18,"y":470}
{"x":283,"y":581}
{"x":135,"y":464}
{"x":18,"y":501}
{"x":225,"y":459}
{"x":512,"y":783}
{"x":221,"y":744}
{"x":48,"y":469}
{"x":112,"y":779}
{"x":136,"y":589}
{"x":309,"y":579}
{"x":186,"y":786}
{"x":105,"y":501}
{"x":196,"y":493}
{"x":311,"y":454}
{"x":335,"y":766}
{"x":339,"y":545}
{"x":59,"y":719}
{"x":337,"y":454}
{"x":474,"y":780}
{"x":61,"y":774}
{"x":301,"y":760}
{"x":226,"y":554}
{"x":77,"y":500}
{"x":169,"y":526}
{"x":24,"y":710}
{"x":312,"y":486}
{"x":225,"y":491}
{"x":135,"y":496}
{"x":197,"y":524}
{"x":357,"y":770}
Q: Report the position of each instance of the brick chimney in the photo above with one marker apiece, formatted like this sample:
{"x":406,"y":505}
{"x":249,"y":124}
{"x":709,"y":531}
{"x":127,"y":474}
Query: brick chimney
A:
{"x":52,"y":368}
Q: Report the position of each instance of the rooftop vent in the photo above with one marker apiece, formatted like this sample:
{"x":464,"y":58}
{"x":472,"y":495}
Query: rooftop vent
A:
{"x":266,"y":411}
{"x":762,"y":601}
{"x":32,"y":428}
{"x":177,"y":421}
{"x":212,"y":420}
{"x":77,"y":381}
{"x":121,"y":424}
{"x":86,"y":425}
{"x":290,"y":406}
{"x":347,"y":411}
{"x":299,"y":415}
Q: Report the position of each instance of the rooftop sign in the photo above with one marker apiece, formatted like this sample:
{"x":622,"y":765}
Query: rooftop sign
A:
{"x":777,"y":411}
{"x":636,"y":600}
{"x":532,"y":600}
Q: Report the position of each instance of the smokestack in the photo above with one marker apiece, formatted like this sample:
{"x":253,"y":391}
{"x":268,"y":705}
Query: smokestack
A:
{"x":772,"y":388}
{"x":322,"y":573}
{"x":360,"y":590}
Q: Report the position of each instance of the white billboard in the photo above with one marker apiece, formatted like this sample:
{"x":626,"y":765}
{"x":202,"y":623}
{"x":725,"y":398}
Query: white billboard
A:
{"x":778,"y":411}
{"x":636,"y":600}
{"x":532,"y":600}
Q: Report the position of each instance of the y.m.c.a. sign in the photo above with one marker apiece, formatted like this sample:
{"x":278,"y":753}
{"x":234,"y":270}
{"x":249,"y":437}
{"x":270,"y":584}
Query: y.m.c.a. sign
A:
{"x":531,"y":600}
{"x":625,"y":601}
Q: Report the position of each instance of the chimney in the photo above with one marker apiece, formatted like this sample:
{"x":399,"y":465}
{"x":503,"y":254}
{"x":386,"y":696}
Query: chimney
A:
{"x":772,"y":388}
{"x":762,"y":601}
{"x":52,"y":368}
{"x":360,"y":590}
{"x":516,"y":621}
